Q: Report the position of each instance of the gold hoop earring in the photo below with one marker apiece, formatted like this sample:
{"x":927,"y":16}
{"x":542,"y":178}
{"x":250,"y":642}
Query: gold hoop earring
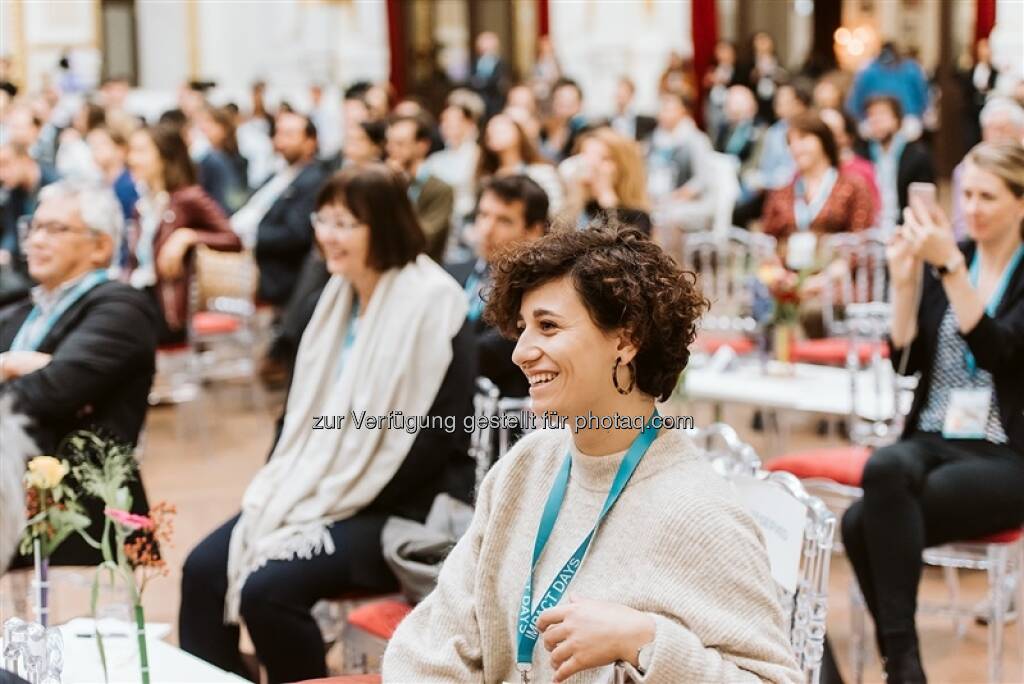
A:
{"x":615,"y":376}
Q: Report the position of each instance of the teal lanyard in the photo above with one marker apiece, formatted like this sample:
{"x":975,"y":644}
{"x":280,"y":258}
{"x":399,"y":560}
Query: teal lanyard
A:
{"x":476,"y":303}
{"x":738,"y":139}
{"x":997,"y":295}
{"x":804,"y":213}
{"x":350,"y":335}
{"x":528,"y":634}
{"x":30,"y":336}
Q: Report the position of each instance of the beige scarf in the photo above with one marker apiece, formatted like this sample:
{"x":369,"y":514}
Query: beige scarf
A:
{"x":317,"y":477}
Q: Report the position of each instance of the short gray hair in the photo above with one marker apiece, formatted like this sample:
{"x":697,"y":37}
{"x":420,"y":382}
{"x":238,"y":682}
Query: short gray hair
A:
{"x":1003,"y":105}
{"x":99,"y":207}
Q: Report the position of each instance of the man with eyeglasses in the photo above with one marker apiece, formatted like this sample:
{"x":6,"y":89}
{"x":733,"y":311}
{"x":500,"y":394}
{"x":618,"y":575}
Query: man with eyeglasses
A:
{"x":79,"y":354}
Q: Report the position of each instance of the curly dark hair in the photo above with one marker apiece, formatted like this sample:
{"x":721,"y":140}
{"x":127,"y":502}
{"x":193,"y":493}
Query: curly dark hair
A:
{"x":624,"y":280}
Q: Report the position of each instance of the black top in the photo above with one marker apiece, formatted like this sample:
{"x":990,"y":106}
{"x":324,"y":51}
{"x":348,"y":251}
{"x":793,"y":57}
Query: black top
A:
{"x":915,"y":166}
{"x":997,"y":344}
{"x":494,"y":350}
{"x":103,"y":349}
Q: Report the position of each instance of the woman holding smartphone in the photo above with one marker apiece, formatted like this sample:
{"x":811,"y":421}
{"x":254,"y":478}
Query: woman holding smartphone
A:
{"x":957,"y":473}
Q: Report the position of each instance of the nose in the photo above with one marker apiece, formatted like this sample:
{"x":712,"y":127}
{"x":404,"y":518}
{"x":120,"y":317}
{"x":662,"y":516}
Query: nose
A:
{"x":526,"y":351}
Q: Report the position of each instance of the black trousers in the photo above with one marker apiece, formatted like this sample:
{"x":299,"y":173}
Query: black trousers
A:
{"x":277,"y":599}
{"x":919,"y":492}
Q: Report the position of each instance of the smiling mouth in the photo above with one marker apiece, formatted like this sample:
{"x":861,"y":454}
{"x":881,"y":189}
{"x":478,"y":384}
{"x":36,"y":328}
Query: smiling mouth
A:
{"x":541,"y":379}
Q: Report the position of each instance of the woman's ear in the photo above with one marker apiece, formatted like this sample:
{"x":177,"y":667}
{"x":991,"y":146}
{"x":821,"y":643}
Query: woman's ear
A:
{"x":625,"y":349}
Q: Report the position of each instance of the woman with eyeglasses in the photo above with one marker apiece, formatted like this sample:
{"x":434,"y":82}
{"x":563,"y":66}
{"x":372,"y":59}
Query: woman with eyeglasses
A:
{"x":173,"y":215}
{"x":386,"y":337}
{"x":610,"y":542}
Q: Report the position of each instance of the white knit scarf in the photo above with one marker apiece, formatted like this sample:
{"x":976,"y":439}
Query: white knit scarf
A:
{"x":317,"y":477}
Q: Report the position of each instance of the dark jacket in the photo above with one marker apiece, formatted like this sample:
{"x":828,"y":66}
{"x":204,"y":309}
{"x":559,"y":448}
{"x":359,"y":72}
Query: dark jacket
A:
{"x":285,"y":235}
{"x":916,"y":166}
{"x":997,"y":344}
{"x":189,"y":207}
{"x":438,"y":461}
{"x":494,"y":351}
{"x":99,"y":379}
{"x":433,"y":206}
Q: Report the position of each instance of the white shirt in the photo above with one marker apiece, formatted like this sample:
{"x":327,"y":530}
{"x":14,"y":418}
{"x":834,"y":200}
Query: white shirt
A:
{"x":246,"y":221}
{"x":151,"y":212}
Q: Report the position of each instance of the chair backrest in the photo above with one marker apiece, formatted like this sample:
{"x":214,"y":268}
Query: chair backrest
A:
{"x":725,"y":171}
{"x":798,"y":530}
{"x":498,"y":423}
{"x":729,"y":455}
{"x":863,"y":282}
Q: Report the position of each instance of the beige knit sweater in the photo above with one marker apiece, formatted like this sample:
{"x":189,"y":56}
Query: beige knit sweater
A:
{"x":676,"y":545}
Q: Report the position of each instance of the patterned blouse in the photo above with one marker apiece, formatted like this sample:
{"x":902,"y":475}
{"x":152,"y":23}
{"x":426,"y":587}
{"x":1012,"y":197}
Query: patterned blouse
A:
{"x":949,"y":372}
{"x":849,"y":208}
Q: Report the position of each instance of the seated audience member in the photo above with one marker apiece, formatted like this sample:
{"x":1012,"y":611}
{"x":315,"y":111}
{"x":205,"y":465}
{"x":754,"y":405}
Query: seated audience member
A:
{"x":489,"y":78}
{"x":957,"y":473}
{"x":506,"y":150}
{"x":275,"y":220}
{"x":558,"y":135}
{"x":602,"y":318}
{"x":456,"y":163}
{"x":606,"y":180}
{"x":679,"y":168}
{"x":408,"y":144}
{"x":388,"y":334}
{"x":80,"y":354}
{"x":626,"y":121}
{"x":1002,"y":120}
{"x":720,"y":76}
{"x":898,"y":162}
{"x":511,"y":209}
{"x":110,"y":152}
{"x":364,"y":143}
{"x":890,"y":75}
{"x":828,"y":92}
{"x":173,"y":216}
{"x":844,"y":130}
{"x":21,"y":179}
{"x":764,"y":74}
{"x":821,"y":199}
{"x":741,"y":134}
{"x":223,"y":172}
{"x":775,"y":166}
{"x":74,"y":158}
{"x":523,"y":98}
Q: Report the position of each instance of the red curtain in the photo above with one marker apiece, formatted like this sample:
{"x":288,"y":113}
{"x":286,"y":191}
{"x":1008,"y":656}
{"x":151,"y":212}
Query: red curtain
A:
{"x":396,"y":46}
{"x":704,"y":30}
{"x":985,"y":19}
{"x":543,"y":18}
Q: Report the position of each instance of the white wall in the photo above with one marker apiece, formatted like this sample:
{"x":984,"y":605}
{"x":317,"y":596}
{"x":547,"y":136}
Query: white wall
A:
{"x":162,"y":44}
{"x":597,"y":42}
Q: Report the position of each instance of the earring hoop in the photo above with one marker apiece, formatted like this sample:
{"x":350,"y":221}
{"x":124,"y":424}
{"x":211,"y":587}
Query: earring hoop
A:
{"x":615,"y":376}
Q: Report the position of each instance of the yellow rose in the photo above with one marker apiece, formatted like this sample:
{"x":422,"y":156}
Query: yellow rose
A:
{"x":45,"y":472}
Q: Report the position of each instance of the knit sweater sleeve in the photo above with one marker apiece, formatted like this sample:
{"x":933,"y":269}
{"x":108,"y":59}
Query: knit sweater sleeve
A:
{"x":440,"y":640}
{"x":727,"y":626}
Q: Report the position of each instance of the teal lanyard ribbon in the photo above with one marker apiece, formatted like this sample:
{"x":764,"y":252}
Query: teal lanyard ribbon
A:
{"x":350,"y":334}
{"x":528,"y":616}
{"x":476,"y":303}
{"x":30,"y":336}
{"x":804,"y":213}
{"x":997,"y":295}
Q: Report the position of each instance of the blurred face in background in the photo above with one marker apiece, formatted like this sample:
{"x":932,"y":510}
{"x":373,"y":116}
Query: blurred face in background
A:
{"x":344,"y":241}
{"x":290,"y":140}
{"x":834,"y":120}
{"x":213,"y":131}
{"x":456,"y":128}
{"x":107,"y":154}
{"x":787,"y":104}
{"x":623,"y":95}
{"x":20,"y":127}
{"x":740,"y":104}
{"x":502,"y":134}
{"x":882,"y":122}
{"x":359,"y":148}
{"x":62,"y":246}
{"x":827,"y":95}
{"x":1000,"y":127}
{"x":500,"y":224}
{"x":806,"y":149}
{"x":990,"y":208}
{"x":725,"y":53}
{"x":144,"y":160}
{"x":670,"y":112}
{"x":566,"y":102}
{"x":521,"y":97}
{"x":403,"y":148}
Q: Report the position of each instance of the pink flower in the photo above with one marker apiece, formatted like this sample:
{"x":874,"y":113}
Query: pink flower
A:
{"x":129,"y":520}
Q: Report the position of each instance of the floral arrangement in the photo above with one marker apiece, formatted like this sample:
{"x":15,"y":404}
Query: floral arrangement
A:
{"x":53,"y":514}
{"x":130,"y":543}
{"x":785,"y":288}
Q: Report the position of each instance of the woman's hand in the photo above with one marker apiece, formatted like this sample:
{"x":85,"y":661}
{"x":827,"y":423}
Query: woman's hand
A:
{"x":582,"y":634}
{"x":170,"y":263}
{"x":929,"y":233}
{"x":904,"y":266}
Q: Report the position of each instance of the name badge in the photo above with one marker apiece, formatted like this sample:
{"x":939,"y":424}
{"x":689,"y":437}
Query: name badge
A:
{"x":801,"y":249}
{"x":967,"y":414}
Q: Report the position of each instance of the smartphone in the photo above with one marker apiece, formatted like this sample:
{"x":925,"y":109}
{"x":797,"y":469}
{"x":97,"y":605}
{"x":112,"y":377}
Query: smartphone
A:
{"x":926,"y":193}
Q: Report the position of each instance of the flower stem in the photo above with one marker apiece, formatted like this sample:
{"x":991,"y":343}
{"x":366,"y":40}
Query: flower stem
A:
{"x":140,"y":629}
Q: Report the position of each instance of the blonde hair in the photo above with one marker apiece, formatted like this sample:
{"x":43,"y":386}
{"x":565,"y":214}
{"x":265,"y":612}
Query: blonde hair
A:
{"x":1004,"y":160}
{"x":630,"y":177}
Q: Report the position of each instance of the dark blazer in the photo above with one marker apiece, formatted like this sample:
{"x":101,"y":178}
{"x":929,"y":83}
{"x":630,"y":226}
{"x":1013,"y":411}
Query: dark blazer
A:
{"x":997,"y":344}
{"x":99,"y":379}
{"x":494,"y":351}
{"x":433,"y":207}
{"x":492,"y":87}
{"x":285,"y":235}
{"x":438,"y":461}
{"x":916,"y":166}
{"x":189,"y":207}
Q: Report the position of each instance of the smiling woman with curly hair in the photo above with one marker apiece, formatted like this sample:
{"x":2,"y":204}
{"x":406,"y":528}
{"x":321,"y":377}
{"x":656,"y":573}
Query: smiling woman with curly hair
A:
{"x":609,"y":546}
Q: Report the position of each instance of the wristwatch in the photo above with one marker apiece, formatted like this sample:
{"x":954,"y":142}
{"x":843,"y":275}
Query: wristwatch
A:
{"x":955,"y":263}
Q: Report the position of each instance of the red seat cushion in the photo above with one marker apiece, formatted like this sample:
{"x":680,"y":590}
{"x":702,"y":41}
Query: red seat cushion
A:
{"x":347,"y":679}
{"x":214,"y":323}
{"x":710,"y":343}
{"x":832,"y":351}
{"x":380,"y":618}
{"x":844,"y":465}
{"x":1005,"y":537}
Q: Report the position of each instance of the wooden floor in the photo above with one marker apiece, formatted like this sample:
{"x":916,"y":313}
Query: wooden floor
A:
{"x":201,"y":459}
